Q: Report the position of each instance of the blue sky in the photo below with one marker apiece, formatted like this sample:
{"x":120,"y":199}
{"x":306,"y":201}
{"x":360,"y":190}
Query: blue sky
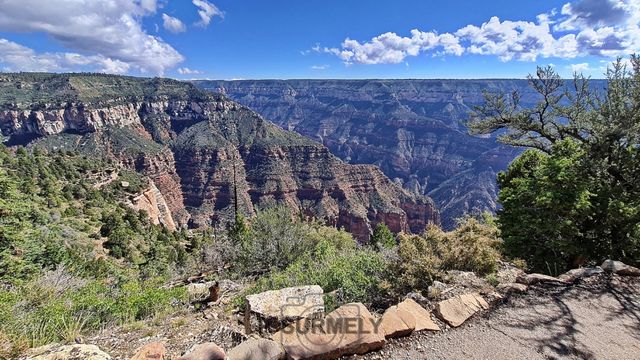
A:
{"x":256,"y":39}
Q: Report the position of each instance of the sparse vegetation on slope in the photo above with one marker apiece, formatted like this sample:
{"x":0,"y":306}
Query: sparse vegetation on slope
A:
{"x":73,"y":257}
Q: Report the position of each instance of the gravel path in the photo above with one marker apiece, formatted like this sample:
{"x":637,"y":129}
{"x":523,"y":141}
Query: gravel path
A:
{"x":598,"y":318}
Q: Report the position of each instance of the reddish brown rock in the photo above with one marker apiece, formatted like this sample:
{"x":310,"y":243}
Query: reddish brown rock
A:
{"x":190,"y":144}
{"x":206,"y":351}
{"x":457,"y":310}
{"x":151,"y":351}
{"x":350,"y":329}
{"x":397,"y":322}
{"x":421,"y":315}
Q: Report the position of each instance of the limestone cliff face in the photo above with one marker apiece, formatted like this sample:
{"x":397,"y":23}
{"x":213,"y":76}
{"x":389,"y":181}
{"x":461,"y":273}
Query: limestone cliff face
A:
{"x":201,"y":151}
{"x":56,"y":118}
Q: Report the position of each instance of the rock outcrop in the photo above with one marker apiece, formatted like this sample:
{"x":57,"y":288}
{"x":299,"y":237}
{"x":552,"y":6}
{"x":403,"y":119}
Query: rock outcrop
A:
{"x":153,"y":202}
{"x":206,"y":154}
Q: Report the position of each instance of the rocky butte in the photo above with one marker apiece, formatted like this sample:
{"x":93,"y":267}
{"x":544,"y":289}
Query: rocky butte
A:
{"x":201,"y":151}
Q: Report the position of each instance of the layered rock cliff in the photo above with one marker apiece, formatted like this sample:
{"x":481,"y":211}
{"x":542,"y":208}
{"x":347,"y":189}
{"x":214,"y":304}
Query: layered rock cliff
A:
{"x":202,"y":151}
{"x":413,"y":129}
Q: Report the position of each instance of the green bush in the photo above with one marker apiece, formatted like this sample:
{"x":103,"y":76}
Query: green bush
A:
{"x":274,"y":239}
{"x":382,"y":237}
{"x":472,"y":246}
{"x":350,"y":274}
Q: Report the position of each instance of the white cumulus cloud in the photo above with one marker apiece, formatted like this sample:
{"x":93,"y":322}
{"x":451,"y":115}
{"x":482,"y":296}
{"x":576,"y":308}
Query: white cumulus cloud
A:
{"x":16,"y":57}
{"x":108,"y":32}
{"x":605,"y":28}
{"x":206,"y":11}
{"x":172,"y":24}
{"x":579,"y":68}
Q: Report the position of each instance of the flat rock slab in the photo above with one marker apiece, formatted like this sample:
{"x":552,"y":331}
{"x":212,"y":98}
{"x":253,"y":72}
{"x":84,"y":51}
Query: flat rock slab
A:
{"x":151,"y":351}
{"x":421,"y":315}
{"x":205,"y":351}
{"x":257,"y":349}
{"x":350,"y":329}
{"x":67,"y":352}
{"x":620,"y":268}
{"x":397,"y":322}
{"x":457,"y":310}
{"x":272,"y":308}
{"x":575,"y":274}
{"x":532,"y":279}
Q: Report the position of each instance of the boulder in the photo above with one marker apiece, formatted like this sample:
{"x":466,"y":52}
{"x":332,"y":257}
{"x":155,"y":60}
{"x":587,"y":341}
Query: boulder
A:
{"x":350,"y":329}
{"x":271,"y":309}
{"x":531,"y":279}
{"x":67,"y":352}
{"x":458,"y":309}
{"x":575,"y":274}
{"x":257,"y":349}
{"x":620,"y":268}
{"x":151,"y":351}
{"x":205,"y":351}
{"x":397,"y":322}
{"x":509,"y":288}
{"x":421,"y":315}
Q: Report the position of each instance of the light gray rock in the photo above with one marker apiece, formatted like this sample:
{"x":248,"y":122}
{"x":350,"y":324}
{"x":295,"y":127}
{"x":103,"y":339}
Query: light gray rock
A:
{"x":620,"y":268}
{"x":576,"y":274}
{"x":257,"y":349}
{"x":67,"y":352}
{"x":270,"y":310}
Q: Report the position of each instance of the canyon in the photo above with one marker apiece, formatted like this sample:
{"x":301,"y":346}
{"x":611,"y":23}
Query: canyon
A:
{"x":412,"y":129}
{"x":207,"y":155}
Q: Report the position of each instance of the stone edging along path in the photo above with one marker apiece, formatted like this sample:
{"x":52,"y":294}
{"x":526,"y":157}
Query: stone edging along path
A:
{"x":349,"y":330}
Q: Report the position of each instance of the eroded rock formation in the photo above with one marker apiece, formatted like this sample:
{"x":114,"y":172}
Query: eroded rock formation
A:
{"x":203,"y":151}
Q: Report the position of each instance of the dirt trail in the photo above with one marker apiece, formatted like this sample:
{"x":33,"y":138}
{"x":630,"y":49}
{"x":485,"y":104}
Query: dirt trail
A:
{"x":598,"y":318}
